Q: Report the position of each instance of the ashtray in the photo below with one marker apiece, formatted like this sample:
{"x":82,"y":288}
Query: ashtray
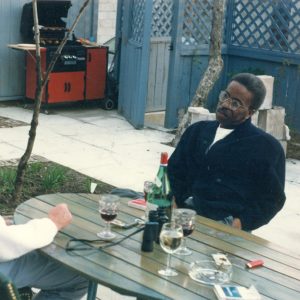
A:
{"x":208,"y":272}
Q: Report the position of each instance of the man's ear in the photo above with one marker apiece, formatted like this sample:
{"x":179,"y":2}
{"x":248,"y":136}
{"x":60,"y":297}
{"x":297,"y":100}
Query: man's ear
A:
{"x":251,"y":112}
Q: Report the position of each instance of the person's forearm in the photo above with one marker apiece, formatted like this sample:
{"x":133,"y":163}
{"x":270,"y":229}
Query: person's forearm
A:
{"x":17,"y":240}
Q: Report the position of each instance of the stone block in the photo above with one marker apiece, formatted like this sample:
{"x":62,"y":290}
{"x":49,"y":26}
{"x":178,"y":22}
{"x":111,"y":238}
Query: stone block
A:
{"x":269,"y":83}
{"x":272,"y":121}
{"x":200,"y":114}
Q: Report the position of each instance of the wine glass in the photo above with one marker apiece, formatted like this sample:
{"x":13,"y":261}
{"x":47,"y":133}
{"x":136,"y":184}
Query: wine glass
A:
{"x":170,"y":239}
{"x":186,"y":218}
{"x":148,"y":186}
{"x":108,"y":205}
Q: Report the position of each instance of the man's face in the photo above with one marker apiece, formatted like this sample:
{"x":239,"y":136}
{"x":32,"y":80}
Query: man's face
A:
{"x":234,"y":105}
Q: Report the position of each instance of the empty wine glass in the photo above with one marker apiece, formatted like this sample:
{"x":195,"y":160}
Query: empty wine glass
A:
{"x":148,"y":186}
{"x":170,"y":239}
{"x":186,"y":218}
{"x":108,"y":205}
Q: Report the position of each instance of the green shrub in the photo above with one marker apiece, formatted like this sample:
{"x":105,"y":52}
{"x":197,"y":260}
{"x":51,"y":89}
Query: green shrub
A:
{"x":7,"y":180}
{"x":53,"y":178}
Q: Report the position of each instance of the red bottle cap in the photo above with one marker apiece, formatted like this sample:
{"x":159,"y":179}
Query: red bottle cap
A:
{"x":164,"y":158}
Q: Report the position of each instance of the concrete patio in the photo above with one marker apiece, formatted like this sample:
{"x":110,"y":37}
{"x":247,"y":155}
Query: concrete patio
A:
{"x":103,"y":145}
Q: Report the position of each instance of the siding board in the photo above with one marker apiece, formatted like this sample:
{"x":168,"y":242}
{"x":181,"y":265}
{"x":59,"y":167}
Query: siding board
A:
{"x":158,"y":74}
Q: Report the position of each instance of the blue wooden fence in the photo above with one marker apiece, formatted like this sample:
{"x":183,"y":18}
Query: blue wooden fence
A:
{"x":261,"y":37}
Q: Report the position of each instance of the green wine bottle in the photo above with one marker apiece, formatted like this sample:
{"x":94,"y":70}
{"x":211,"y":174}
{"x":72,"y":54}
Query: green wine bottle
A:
{"x":160,"y":192}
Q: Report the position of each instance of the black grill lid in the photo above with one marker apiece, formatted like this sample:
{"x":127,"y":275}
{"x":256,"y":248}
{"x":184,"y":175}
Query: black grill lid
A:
{"x":50,"y":14}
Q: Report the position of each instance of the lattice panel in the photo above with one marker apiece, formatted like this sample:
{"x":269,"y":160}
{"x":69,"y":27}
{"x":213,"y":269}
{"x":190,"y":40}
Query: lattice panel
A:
{"x":162,"y":18}
{"x":137,"y":24}
{"x":197,"y":22}
{"x":269,"y":25}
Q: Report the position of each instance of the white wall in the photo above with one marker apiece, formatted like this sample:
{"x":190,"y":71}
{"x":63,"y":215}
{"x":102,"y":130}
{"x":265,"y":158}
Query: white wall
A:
{"x":107,"y":20}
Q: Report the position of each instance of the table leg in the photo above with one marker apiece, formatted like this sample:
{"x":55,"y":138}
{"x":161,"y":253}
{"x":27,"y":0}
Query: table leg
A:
{"x":92,"y":290}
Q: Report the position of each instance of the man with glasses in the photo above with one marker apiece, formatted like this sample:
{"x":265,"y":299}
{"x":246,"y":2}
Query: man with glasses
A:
{"x":229,"y":170}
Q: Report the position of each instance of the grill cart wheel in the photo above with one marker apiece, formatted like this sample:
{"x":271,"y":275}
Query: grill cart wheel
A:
{"x":108,"y":104}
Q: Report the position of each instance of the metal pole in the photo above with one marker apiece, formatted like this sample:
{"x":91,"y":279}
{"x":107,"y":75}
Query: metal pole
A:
{"x":92,"y":290}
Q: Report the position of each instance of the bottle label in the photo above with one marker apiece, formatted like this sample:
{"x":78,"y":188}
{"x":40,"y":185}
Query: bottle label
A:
{"x":161,"y":202}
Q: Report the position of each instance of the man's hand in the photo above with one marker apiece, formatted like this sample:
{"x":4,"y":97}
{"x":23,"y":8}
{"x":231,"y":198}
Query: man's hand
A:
{"x":236,"y":223}
{"x":60,"y":215}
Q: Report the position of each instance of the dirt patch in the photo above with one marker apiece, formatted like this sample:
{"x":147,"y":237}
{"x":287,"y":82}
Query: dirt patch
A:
{"x":44,"y":177}
{"x":10,"y":123}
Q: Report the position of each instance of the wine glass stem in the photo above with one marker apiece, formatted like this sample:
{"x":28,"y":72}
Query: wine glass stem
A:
{"x":107,"y":226}
{"x":169,"y":262}
{"x":183,"y":245}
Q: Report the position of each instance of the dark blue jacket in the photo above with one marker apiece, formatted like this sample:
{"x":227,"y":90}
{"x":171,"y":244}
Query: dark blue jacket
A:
{"x":241,"y":175}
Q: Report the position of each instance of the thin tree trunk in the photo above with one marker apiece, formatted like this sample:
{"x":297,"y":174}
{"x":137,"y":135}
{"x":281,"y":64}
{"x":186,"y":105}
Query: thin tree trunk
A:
{"x":213,"y":70}
{"x":41,"y":83}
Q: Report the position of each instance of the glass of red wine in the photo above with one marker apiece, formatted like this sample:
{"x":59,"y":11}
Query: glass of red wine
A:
{"x":186,"y":218}
{"x":108,"y":209}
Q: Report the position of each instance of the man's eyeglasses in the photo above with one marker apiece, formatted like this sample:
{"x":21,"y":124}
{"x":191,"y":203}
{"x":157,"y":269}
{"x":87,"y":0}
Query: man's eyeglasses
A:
{"x":234,"y":103}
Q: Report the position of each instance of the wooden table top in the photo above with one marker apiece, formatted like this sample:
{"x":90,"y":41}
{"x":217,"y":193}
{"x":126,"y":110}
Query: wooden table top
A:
{"x":129,"y":271}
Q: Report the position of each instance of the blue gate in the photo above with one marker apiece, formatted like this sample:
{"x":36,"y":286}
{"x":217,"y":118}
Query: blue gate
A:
{"x":136,"y":16}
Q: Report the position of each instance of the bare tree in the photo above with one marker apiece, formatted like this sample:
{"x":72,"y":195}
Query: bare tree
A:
{"x":213,"y":70}
{"x":41,"y":83}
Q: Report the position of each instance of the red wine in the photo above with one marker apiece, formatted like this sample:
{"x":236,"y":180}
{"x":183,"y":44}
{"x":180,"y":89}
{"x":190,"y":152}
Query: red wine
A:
{"x":108,"y":216}
{"x":187,"y":230}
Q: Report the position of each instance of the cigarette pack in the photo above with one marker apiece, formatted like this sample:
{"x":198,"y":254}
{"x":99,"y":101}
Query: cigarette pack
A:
{"x":138,"y":203}
{"x":234,"y":292}
{"x":221,"y":259}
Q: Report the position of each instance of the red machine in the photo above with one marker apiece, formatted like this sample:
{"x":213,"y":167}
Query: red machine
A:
{"x":80,"y":72}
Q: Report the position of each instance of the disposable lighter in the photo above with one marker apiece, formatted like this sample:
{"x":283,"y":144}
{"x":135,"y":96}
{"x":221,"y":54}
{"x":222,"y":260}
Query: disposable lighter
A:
{"x":254,"y":263}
